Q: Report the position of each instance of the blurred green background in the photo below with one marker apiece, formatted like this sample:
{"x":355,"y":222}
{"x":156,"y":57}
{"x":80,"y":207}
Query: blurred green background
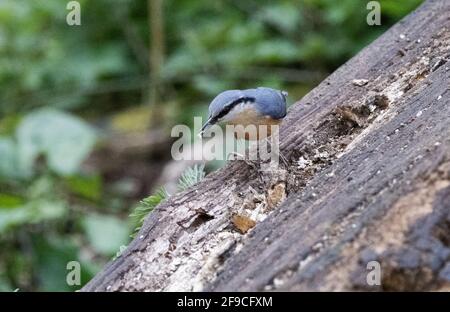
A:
{"x":86,"y":111}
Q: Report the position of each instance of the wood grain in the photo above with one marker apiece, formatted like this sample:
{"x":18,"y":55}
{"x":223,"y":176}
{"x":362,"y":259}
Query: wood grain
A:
{"x":368,"y":179}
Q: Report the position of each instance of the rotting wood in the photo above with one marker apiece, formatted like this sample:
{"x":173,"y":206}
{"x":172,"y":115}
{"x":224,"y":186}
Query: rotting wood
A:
{"x":368,"y":180}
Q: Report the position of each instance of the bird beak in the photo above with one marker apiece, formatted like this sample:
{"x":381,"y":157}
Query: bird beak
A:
{"x":205,"y":126}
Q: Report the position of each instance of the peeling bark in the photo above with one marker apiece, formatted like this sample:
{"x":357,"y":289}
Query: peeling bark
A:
{"x":368,"y":179}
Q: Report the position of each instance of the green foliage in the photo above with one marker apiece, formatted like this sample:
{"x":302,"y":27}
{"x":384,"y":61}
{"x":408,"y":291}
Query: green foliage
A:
{"x":245,"y":43}
{"x":146,"y":206}
{"x":9,"y":159}
{"x":31,"y":212}
{"x":122,"y":248}
{"x":64,"y":140}
{"x":52,"y":209}
{"x":191,"y":176}
{"x":85,"y":186}
{"x":41,"y":189}
{"x":41,"y":55}
{"x":105,"y":233}
{"x":210,"y":47}
{"x":38,"y":203}
{"x":52,"y":256}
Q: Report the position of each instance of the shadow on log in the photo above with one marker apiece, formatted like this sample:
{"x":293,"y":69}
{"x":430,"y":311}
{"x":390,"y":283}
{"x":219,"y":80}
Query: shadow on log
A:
{"x":368,"y":180}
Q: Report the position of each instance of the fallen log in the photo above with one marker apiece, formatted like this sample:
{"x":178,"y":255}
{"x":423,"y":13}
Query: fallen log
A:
{"x":368,"y":180}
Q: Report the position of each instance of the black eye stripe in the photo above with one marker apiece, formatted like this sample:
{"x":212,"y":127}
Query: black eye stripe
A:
{"x":228,"y":107}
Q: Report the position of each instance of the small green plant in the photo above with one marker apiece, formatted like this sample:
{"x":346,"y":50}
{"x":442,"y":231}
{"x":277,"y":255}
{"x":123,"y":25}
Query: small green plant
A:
{"x":189,"y":177}
{"x":119,"y":253}
{"x":146,"y":206}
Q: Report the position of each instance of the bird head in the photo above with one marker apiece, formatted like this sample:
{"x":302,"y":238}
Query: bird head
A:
{"x":266,"y":102}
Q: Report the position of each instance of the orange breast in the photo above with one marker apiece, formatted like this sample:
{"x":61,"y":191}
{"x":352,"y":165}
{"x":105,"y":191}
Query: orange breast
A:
{"x":251,"y":125}
{"x":257,"y":129}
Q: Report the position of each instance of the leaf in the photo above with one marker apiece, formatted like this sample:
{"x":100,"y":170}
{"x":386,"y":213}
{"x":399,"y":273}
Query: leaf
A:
{"x":146,"y":206}
{"x":9,"y":164}
{"x":8,"y":201}
{"x":89,"y":187}
{"x":209,"y":85}
{"x":191,"y":176}
{"x":243,"y":223}
{"x":64,"y":139}
{"x":50,"y":258}
{"x":105,"y":233}
{"x":34,"y":211}
{"x":8,"y":124}
{"x":122,"y":248}
{"x":285,"y":17}
{"x":276,"y":51}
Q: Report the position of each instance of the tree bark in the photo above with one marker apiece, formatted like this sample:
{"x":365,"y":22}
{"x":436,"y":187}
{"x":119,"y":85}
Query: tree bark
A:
{"x":368,"y":180}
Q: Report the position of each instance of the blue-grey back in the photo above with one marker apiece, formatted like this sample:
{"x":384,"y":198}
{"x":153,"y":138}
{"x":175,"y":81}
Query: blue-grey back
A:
{"x":269,"y":102}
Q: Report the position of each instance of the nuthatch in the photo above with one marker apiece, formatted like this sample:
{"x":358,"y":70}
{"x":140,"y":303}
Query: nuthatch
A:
{"x":260,"y":106}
